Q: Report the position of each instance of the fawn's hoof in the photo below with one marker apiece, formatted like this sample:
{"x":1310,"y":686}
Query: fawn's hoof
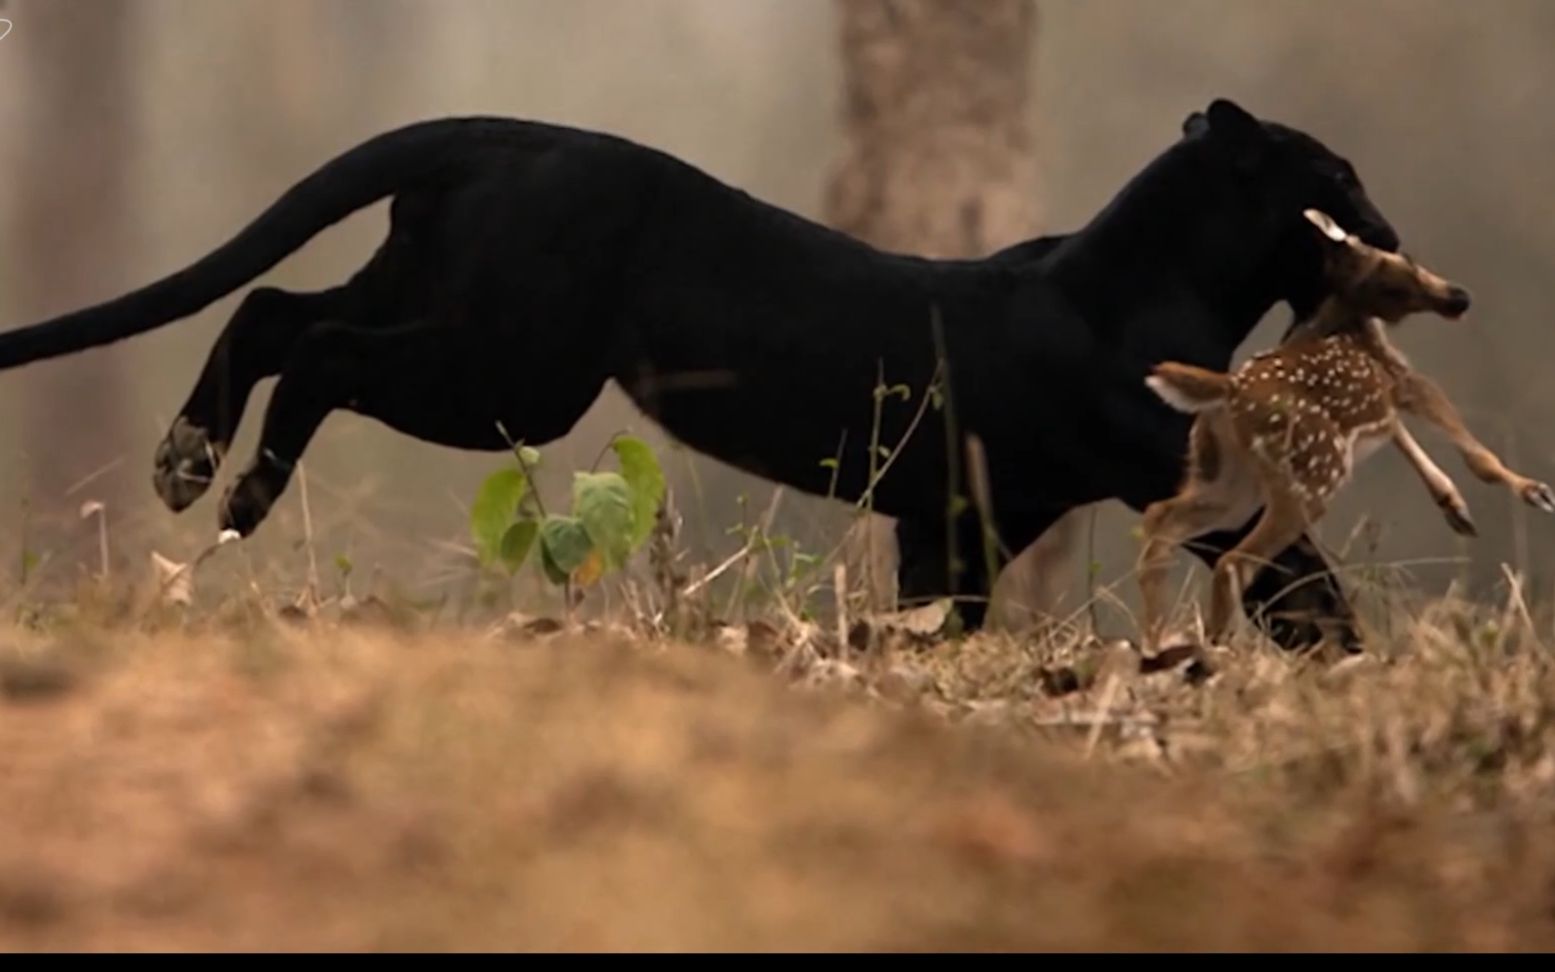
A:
{"x":1539,"y":496}
{"x":1458,"y":518}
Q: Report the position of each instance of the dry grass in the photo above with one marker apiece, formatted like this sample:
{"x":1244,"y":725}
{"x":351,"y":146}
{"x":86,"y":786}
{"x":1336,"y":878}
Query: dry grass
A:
{"x":244,"y":783}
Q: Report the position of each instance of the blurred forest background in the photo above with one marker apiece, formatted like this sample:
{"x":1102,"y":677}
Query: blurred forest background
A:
{"x":140,"y":133}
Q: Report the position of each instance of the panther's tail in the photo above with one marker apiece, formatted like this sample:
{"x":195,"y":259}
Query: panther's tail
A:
{"x":1189,"y":389}
{"x":361,"y":176}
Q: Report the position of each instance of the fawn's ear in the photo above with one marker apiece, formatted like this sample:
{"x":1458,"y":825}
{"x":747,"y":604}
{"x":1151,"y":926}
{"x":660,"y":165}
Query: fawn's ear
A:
{"x":1326,"y":224}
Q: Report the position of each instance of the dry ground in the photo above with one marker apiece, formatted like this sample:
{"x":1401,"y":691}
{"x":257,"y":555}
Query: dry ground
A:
{"x":333,"y":786}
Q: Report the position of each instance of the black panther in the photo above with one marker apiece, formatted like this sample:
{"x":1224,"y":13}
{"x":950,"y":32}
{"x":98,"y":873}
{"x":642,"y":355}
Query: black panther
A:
{"x":754,"y":335}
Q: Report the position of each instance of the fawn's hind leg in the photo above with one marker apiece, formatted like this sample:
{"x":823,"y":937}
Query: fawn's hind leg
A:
{"x":1419,"y":395}
{"x":1285,"y":518}
{"x":1167,"y":525}
{"x":1198,"y":510}
{"x":1218,"y":494}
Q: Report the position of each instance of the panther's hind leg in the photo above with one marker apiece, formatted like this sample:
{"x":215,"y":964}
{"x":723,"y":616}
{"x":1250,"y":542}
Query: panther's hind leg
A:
{"x":253,"y":346}
{"x":437,"y":382}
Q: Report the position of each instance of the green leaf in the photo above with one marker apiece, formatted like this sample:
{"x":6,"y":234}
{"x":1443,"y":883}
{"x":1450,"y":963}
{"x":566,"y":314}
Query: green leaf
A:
{"x":553,"y":573}
{"x":516,"y":543}
{"x":603,"y":502}
{"x":492,"y":512}
{"x":564,"y":546}
{"x":529,"y":456}
{"x":641,"y":471}
{"x":343,"y":564}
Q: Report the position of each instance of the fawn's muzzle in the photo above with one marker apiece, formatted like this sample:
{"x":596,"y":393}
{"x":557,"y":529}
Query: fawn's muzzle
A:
{"x":1457,"y":302}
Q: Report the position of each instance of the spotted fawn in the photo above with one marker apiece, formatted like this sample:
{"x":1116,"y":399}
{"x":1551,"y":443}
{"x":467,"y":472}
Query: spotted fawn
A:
{"x":1286,"y":431}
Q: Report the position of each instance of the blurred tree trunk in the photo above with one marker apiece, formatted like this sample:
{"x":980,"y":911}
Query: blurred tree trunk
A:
{"x":941,"y":159}
{"x":72,"y":228}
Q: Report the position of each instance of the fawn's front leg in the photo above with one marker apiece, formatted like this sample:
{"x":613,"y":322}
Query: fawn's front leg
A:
{"x":1419,"y":395}
{"x":1443,"y":490}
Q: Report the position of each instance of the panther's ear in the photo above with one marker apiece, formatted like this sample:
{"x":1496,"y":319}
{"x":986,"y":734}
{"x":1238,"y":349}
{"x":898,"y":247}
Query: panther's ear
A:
{"x":1227,"y":117}
{"x":1325,"y":224}
{"x":1241,"y":133}
{"x":1195,"y":125}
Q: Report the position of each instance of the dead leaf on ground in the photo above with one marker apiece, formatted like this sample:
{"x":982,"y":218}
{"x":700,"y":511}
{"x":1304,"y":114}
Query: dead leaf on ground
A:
{"x":175,"y":581}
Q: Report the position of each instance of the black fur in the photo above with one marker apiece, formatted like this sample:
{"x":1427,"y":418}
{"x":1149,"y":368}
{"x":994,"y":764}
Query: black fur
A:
{"x":751,"y":334}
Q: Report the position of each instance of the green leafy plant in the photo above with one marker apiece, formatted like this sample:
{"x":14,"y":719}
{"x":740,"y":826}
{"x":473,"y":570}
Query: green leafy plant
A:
{"x":611,"y":516}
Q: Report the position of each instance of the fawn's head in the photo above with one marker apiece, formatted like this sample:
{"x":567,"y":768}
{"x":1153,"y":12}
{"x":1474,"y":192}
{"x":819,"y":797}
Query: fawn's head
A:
{"x":1390,"y":286}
